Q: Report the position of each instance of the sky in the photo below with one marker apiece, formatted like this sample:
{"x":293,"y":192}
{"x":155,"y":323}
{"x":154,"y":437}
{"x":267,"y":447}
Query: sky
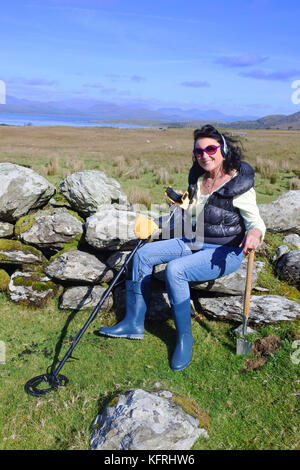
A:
{"x":238,"y":57}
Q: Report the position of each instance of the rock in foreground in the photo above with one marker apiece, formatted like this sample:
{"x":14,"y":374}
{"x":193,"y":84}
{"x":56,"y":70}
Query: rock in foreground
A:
{"x":140,"y":420}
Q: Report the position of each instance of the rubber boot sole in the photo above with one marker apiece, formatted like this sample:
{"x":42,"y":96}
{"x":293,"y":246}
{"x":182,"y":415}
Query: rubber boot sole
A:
{"x":128,"y":336}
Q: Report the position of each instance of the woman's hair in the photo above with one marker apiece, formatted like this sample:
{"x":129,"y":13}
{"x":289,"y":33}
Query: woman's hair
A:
{"x":232,"y":159}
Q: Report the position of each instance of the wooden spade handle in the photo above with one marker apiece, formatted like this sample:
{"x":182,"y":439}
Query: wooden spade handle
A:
{"x":248,"y":283}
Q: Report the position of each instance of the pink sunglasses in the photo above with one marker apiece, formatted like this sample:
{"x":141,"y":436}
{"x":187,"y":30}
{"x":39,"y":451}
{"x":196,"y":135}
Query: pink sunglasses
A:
{"x":210,"y":150}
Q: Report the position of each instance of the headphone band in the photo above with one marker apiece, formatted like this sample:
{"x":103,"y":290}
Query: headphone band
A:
{"x":225,"y":147}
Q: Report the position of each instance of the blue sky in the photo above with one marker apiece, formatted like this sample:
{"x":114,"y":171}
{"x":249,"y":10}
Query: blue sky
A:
{"x":239,"y":57}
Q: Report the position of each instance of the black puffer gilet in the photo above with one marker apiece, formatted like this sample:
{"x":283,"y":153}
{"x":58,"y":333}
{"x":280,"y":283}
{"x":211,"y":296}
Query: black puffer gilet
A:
{"x":223,"y":223}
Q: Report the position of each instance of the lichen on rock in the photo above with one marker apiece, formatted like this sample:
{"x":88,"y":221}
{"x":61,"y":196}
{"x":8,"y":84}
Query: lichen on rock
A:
{"x":31,"y":289}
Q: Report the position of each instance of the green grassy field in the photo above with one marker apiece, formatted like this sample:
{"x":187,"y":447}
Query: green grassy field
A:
{"x":258,"y":409}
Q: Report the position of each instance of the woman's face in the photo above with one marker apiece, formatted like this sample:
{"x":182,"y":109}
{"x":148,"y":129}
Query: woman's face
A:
{"x":209,"y":162}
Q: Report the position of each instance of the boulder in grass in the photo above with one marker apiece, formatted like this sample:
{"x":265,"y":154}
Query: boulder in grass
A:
{"x":263,"y":308}
{"x":85,"y":298}
{"x":50,"y":229}
{"x":111,"y":229}
{"x":21,"y":189}
{"x":288,"y":267}
{"x":292,"y":239}
{"x":78,"y":266}
{"x":15,"y":252}
{"x":88,"y":191}
{"x":283,"y":214}
{"x":139,"y":420}
{"x":31,"y":289}
{"x":280,"y":251}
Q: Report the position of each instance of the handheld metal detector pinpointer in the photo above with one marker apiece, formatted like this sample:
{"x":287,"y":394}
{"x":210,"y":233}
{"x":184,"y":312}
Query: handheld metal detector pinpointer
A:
{"x":42,"y":384}
{"x":181,"y":200}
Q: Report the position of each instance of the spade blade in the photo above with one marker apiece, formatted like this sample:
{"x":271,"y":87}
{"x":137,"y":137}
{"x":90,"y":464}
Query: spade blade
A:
{"x":243,"y":346}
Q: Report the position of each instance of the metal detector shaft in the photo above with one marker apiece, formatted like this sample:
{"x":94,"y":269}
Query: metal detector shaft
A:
{"x":96,"y":310}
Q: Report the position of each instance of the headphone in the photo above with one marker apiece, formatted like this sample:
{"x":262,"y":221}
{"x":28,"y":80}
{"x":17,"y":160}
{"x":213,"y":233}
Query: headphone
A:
{"x":224,"y":148}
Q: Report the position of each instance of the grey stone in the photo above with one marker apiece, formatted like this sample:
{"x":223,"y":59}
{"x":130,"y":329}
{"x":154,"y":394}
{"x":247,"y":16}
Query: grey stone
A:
{"x":288,"y":267}
{"x":88,"y":191}
{"x":261,"y":289}
{"x":239,"y":331}
{"x":281,"y":250}
{"x":117,"y":259}
{"x":293,"y":239}
{"x":79,"y":266}
{"x":21,"y":189}
{"x":111,"y":229}
{"x":6,"y":229}
{"x":263,"y":308}
{"x":283,"y":214}
{"x":85,"y":297}
{"x":14,"y":252}
{"x":50,"y":228}
{"x":145,"y":421}
{"x":32,"y":288}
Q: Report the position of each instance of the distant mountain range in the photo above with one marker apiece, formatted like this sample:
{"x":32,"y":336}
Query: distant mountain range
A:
{"x":103,"y":110}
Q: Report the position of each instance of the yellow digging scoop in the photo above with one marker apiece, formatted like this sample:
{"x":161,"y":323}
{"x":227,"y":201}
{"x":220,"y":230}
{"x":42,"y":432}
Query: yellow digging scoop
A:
{"x":144,"y":227}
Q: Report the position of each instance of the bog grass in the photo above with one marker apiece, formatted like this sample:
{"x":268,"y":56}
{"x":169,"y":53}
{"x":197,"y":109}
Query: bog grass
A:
{"x":247,"y":410}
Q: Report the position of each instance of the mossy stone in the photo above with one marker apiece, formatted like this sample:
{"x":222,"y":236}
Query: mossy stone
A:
{"x":68,"y":247}
{"x":25,"y":223}
{"x":8,"y":245}
{"x":4,"y":280}
{"x":34,"y":285}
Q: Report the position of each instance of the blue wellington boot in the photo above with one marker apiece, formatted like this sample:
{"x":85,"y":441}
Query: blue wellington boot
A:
{"x":137,"y":299}
{"x":182,"y":355}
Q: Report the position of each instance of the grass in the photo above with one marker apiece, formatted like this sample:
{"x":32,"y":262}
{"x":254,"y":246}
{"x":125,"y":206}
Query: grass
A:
{"x":250,"y":410}
{"x":253,"y":410}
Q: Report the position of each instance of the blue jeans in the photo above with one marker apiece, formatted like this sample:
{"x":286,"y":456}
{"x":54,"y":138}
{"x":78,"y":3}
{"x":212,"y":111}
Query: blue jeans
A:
{"x":184,"y":265}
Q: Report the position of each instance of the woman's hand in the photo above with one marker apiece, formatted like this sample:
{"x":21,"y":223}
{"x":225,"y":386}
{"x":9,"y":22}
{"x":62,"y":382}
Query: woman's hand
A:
{"x":251,"y":240}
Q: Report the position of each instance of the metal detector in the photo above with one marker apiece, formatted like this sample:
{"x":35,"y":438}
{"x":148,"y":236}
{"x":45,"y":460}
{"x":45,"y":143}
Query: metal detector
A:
{"x":40,"y":385}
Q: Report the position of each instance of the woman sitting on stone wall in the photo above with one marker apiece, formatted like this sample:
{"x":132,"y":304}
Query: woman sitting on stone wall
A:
{"x":223,"y":186}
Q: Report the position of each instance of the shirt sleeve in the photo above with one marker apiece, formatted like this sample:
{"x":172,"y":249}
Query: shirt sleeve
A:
{"x":246,"y":203}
